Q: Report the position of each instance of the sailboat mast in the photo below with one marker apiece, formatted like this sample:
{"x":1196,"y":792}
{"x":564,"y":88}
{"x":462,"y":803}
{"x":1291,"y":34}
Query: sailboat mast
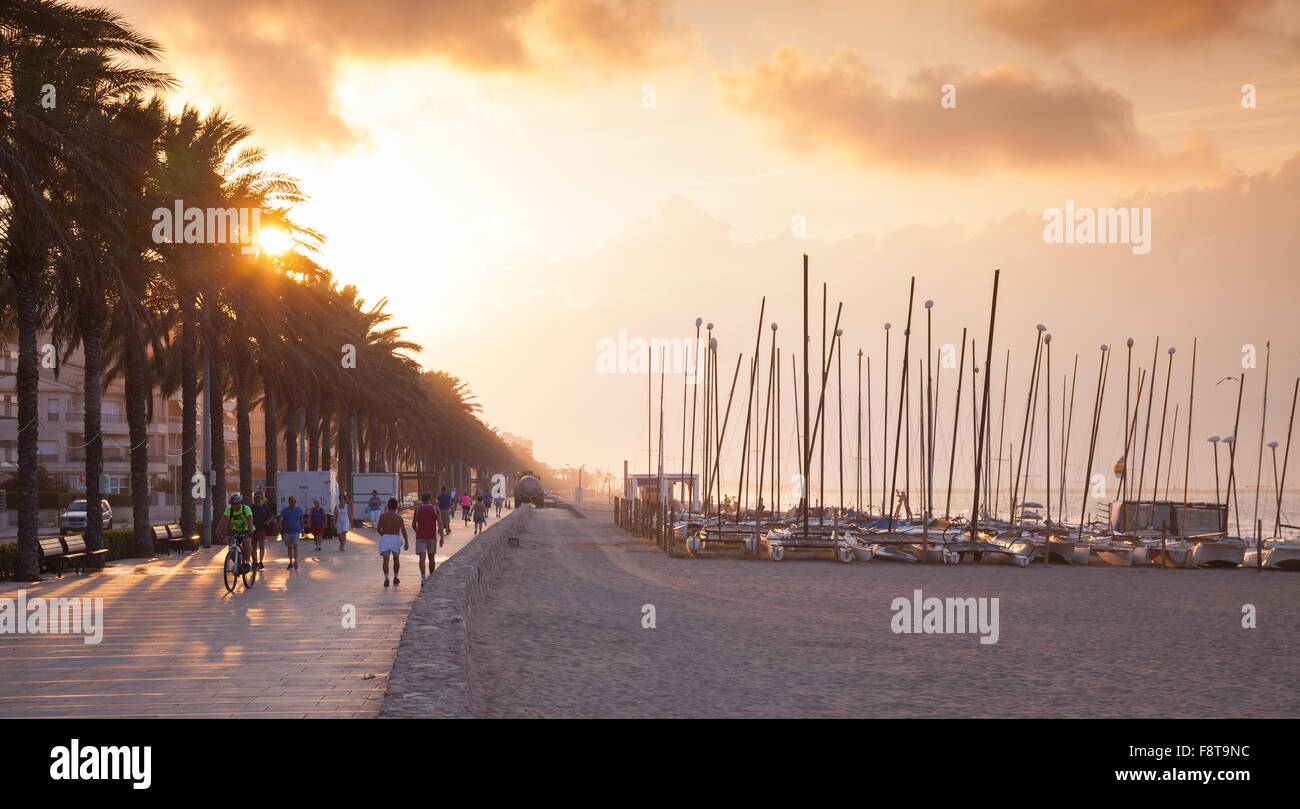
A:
{"x":898,"y":428}
{"x":1263,"y":419}
{"x":1187,"y":452}
{"x":1024,"y":429}
{"x":1160,"y":446}
{"x":1286,"y":456}
{"x":956,"y":415}
{"x":1092,"y":444}
{"x":1146,"y":431}
{"x":984,"y":410}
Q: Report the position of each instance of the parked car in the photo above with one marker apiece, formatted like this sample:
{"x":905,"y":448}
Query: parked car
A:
{"x":73,"y":518}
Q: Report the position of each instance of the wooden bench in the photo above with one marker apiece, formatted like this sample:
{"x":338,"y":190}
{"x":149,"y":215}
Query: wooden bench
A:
{"x":160,"y":535}
{"x":178,"y":540}
{"x":75,"y":551}
{"x":52,"y":554}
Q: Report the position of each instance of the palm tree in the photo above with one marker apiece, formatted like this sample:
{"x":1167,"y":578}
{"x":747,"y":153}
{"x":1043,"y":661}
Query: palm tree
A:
{"x":75,"y":50}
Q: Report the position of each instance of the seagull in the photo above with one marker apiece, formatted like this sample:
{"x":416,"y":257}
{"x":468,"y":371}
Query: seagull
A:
{"x":1225,"y":379}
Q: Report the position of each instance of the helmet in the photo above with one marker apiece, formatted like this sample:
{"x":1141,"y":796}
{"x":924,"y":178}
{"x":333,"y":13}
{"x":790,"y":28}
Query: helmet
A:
{"x":236,"y":499}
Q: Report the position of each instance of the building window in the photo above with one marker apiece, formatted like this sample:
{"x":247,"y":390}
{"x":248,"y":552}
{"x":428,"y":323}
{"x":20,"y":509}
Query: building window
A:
{"x":53,"y":409}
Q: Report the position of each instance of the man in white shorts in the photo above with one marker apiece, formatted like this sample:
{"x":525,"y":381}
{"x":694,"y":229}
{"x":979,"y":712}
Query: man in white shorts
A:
{"x":392,"y":539}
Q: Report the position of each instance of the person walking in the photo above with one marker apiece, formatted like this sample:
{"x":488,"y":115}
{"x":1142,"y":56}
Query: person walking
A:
{"x":343,"y":520}
{"x":445,"y":508}
{"x":427,"y":531}
{"x":375,"y":507}
{"x":465,"y":503}
{"x":263,"y":517}
{"x":291,"y":530}
{"x":499,"y":500}
{"x":317,"y":520}
{"x":392,"y":538}
{"x":480,"y":515}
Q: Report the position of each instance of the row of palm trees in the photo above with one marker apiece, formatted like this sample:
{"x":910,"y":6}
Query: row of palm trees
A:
{"x":88,"y":153}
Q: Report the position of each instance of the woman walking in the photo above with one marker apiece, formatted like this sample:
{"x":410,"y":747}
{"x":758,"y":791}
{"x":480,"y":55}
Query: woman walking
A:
{"x":465,"y":503}
{"x":343,"y":520}
{"x":392,"y":538}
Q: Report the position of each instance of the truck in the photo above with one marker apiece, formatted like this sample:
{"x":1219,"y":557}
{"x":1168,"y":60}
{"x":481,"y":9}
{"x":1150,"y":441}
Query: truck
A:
{"x":363,"y":483}
{"x":306,"y":487}
{"x":528,"y":489}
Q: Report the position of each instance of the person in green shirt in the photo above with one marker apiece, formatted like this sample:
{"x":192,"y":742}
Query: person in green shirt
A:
{"x":238,"y":520}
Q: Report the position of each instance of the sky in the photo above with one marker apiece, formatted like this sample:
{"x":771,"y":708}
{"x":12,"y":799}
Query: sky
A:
{"x":524,"y":180}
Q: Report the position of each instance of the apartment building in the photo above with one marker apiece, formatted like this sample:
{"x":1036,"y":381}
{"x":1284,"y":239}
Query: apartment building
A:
{"x":60,"y":427}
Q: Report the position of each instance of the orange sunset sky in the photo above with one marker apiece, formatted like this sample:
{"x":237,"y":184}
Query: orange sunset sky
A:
{"x":523,"y":178}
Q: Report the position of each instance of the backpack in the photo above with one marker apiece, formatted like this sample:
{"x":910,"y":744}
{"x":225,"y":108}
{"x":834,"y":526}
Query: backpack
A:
{"x":240,"y":520}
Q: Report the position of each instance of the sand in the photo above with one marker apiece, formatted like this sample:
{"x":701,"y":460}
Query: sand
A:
{"x":560,"y":635}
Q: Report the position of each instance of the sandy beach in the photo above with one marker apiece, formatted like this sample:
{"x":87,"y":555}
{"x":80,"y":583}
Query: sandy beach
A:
{"x":560,"y":635}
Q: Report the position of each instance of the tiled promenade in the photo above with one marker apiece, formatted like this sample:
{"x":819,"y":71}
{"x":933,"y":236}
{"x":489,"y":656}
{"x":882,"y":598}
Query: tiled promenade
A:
{"x":177,"y":644}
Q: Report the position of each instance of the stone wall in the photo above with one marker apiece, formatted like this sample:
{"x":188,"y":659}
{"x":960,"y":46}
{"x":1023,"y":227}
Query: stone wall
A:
{"x":430,"y":677}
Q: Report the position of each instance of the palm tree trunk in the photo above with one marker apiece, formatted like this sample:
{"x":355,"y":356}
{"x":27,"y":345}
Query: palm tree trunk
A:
{"x":325,"y":440}
{"x":268,"y":412}
{"x":361,"y":446}
{"x":313,"y":436}
{"x":23,"y":272}
{"x":344,"y":452}
{"x":376,"y":447}
{"x":291,"y":438}
{"x":243,"y":428}
{"x":92,"y":339}
{"x":137,"y":415}
{"x":189,"y":414}
{"x":217,"y":438}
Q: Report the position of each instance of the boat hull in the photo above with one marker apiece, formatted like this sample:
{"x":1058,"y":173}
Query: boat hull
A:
{"x":1218,"y":554}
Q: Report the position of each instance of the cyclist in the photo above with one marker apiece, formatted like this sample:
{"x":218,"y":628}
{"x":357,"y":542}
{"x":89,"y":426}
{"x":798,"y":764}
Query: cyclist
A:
{"x":238,"y":519}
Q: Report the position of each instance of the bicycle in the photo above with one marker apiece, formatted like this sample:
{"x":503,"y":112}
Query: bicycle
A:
{"x":236,"y":566}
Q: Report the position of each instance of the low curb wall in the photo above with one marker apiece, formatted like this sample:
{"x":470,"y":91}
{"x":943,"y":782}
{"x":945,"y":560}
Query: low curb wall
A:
{"x":430,"y":677}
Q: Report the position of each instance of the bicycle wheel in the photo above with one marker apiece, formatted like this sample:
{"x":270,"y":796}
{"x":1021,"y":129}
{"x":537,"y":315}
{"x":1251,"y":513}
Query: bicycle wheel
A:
{"x":231,"y":570}
{"x":251,"y":576}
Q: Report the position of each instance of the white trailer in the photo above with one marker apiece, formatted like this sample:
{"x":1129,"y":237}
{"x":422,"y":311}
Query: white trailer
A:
{"x":363,"y":483}
{"x":306,"y":487}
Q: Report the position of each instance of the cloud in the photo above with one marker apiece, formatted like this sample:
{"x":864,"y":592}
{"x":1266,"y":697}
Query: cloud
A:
{"x":1053,"y":24}
{"x":280,"y":57}
{"x":632,"y":33}
{"x":1006,"y":117}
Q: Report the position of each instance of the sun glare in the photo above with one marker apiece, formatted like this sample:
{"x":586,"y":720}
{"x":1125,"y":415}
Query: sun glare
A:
{"x":274,"y":241}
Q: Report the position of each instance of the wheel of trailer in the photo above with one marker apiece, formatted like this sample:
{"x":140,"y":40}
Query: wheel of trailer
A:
{"x":693,"y":545}
{"x":777,"y":553}
{"x":845,"y":554}
{"x":750,"y":545}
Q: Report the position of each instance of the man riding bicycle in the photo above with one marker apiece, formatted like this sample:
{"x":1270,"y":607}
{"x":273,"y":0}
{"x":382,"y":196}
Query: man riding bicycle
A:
{"x":238,"y":519}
